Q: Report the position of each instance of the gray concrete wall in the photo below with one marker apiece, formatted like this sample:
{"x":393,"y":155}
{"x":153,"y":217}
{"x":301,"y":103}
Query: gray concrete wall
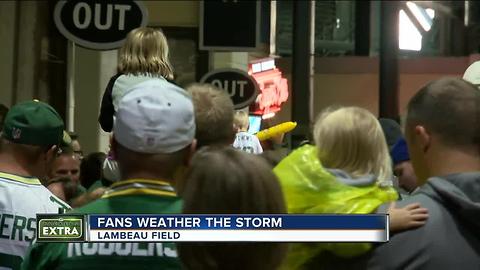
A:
{"x":93,"y":70}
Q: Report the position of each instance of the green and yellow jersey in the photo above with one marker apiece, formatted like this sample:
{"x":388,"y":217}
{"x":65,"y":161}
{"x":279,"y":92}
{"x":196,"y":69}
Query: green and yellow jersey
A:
{"x":135,"y":196}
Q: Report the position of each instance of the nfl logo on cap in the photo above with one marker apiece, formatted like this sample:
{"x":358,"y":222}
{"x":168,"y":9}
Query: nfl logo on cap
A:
{"x":16,"y":133}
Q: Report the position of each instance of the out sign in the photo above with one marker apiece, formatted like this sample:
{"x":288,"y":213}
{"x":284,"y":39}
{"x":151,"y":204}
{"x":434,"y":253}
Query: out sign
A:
{"x":241,"y":87}
{"x":99,"y":24}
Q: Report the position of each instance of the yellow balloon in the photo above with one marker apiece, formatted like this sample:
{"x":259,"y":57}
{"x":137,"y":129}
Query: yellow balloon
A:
{"x":268,"y":133}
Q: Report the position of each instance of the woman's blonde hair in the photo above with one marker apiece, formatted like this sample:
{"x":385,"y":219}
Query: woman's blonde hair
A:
{"x":351,"y":139}
{"x":145,"y":51}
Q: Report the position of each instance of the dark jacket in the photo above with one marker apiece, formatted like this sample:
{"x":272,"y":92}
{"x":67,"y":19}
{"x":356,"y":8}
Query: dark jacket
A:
{"x":449,"y":240}
{"x":118,"y":86}
{"x":451,"y":237}
{"x":105,"y":119}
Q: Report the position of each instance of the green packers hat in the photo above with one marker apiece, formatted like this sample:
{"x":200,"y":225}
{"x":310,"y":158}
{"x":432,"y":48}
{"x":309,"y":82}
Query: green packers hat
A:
{"x":33,"y":123}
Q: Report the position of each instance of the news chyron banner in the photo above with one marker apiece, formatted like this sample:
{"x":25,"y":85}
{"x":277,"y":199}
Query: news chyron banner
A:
{"x":212,"y":228}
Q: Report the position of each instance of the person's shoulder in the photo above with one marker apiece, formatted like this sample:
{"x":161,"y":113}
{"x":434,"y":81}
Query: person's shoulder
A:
{"x":100,"y":205}
{"x":112,"y":80}
{"x":410,"y":245}
{"x":417,"y":197}
{"x":132,"y":204}
{"x":403,"y":247}
{"x":115,"y":77}
{"x":42,"y":198}
{"x":424,"y":200}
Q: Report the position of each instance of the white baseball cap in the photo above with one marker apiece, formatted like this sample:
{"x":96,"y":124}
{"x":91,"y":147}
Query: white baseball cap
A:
{"x":155,"y":117}
{"x":472,"y":74}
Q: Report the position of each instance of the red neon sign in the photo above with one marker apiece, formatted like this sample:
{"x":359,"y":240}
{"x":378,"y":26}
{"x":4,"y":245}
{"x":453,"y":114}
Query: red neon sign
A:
{"x":273,"y":90}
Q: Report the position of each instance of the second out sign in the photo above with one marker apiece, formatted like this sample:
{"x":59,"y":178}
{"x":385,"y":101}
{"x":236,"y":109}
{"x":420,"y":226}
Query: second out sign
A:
{"x":241,"y":87}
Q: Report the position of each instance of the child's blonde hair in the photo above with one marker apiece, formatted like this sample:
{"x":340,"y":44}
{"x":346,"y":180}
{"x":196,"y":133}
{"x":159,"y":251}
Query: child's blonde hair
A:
{"x":351,"y":139}
{"x":240,"y":120}
{"x":145,"y":51}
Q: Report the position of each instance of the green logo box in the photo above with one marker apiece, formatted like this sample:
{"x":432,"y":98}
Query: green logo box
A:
{"x":60,"y":228}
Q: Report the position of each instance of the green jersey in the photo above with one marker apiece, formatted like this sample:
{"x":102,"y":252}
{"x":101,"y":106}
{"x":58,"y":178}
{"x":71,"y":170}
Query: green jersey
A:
{"x":126,"y":197}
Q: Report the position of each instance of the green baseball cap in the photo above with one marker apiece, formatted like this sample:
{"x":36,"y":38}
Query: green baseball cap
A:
{"x":33,"y":123}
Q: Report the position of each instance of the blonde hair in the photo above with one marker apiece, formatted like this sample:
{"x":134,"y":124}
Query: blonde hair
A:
{"x":351,"y":139}
{"x":240,"y":120}
{"x":145,"y":51}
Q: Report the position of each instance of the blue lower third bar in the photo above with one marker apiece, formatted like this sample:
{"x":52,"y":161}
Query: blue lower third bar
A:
{"x":223,"y":222}
{"x":225,"y":228}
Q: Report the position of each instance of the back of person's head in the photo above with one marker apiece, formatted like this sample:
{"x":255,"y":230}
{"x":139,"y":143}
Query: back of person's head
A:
{"x":444,"y":115}
{"x":31,"y":132}
{"x":145,"y":51}
{"x":449,"y":108}
{"x":91,"y":168}
{"x":213,"y":115}
{"x":222,"y":180}
{"x":154,"y":129}
{"x":351,"y":139}
{"x":392,"y":131}
{"x":240,"y":120}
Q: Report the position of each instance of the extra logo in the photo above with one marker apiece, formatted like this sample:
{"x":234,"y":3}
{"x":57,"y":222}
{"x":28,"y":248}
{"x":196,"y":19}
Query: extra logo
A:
{"x":60,"y":228}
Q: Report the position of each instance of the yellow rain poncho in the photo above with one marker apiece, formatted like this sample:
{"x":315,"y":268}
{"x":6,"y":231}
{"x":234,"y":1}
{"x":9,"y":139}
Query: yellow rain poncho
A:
{"x":310,"y":189}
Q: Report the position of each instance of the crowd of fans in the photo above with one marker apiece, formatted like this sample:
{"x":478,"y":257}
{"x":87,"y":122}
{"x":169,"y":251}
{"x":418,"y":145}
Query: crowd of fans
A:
{"x":177,"y":150}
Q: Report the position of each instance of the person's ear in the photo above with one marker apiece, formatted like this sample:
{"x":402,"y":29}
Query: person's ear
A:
{"x":51,"y":153}
{"x":423,"y":137}
{"x":49,"y":158}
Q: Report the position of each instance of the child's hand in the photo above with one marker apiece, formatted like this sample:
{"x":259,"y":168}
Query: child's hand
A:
{"x":408,"y":217}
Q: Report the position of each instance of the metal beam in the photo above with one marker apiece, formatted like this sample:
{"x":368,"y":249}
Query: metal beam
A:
{"x":302,"y":69}
{"x":362,"y":28}
{"x":388,"y":96}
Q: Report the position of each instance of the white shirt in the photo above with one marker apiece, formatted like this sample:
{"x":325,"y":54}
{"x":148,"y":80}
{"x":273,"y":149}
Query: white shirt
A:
{"x":247,"y":142}
{"x":21,"y":199}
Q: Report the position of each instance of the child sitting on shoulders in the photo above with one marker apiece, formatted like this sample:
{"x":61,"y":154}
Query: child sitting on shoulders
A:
{"x":143,"y":56}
